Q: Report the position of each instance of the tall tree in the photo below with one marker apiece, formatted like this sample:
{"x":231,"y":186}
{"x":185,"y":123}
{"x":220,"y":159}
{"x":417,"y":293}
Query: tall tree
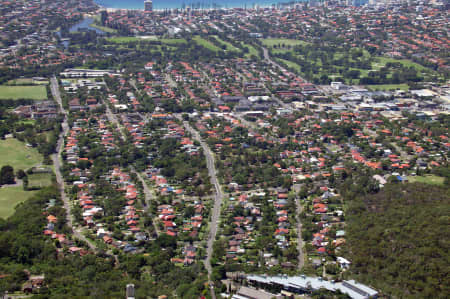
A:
{"x":7,"y":175}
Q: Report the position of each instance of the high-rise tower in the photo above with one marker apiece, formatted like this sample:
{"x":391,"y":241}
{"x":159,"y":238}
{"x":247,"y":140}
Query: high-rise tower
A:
{"x":148,"y":5}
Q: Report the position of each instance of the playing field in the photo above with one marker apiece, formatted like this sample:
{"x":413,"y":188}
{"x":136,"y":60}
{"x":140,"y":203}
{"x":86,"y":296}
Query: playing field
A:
{"x":23,"y":92}
{"x":39,"y":180}
{"x":16,"y":154}
{"x":27,"y":81}
{"x":10,"y":197}
{"x":427,"y":179}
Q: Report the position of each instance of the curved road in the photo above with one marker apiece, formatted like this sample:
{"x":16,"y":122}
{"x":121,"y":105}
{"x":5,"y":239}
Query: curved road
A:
{"x":210,"y":162}
{"x":57,"y":163}
{"x":148,"y":195}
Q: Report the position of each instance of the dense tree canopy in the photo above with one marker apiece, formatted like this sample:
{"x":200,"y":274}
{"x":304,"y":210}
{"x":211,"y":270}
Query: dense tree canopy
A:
{"x":398,"y":240}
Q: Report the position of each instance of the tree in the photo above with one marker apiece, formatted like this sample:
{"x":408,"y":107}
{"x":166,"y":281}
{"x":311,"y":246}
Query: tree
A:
{"x":103,"y":17}
{"x":20,"y":174}
{"x":7,"y":175}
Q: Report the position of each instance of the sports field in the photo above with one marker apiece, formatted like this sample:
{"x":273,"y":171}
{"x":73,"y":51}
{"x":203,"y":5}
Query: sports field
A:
{"x":16,"y":154}
{"x":23,"y":92}
{"x":39,"y":180}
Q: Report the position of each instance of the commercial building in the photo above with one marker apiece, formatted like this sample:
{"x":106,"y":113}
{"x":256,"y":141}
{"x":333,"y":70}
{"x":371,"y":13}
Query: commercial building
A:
{"x":148,"y":5}
{"x":303,"y":284}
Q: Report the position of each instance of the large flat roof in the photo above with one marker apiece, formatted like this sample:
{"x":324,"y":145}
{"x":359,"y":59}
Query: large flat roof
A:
{"x":352,"y":288}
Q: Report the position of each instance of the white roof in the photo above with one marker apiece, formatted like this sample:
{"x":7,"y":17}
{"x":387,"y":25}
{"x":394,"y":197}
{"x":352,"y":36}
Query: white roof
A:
{"x":342,"y":260}
{"x":423,"y":92}
{"x":316,"y":283}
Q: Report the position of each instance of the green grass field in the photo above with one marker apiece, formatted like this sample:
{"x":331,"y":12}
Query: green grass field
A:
{"x":270,"y":42}
{"x":30,"y":81}
{"x":404,"y":87}
{"x":103,"y":28}
{"x":207,"y":44}
{"x":123,"y":39}
{"x":427,"y":179}
{"x":23,"y":92}
{"x":405,"y":62}
{"x":10,"y":197}
{"x":173,"y":41}
{"x":251,"y":50}
{"x":290,"y":64}
{"x":39,"y":180}
{"x":27,"y":121}
{"x":15,"y":153}
{"x":128,"y":39}
{"x":280,"y":46}
{"x":229,"y":46}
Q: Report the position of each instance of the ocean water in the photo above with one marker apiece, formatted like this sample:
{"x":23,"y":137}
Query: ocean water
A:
{"x":200,"y":4}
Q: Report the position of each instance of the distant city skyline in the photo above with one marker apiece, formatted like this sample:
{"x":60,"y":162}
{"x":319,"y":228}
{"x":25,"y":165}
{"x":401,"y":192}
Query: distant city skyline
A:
{"x":200,"y":4}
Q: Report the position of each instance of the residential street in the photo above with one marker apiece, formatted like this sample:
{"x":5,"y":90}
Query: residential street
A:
{"x":218,"y":197}
{"x":147,"y":192}
{"x":301,"y":257}
{"x":57,"y":163}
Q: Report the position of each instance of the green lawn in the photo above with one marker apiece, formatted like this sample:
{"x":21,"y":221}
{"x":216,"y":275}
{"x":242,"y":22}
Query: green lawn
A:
{"x":26,"y":81}
{"x":173,"y":41}
{"x":405,"y":62}
{"x":14,"y":152}
{"x":27,"y":121}
{"x":103,"y":28}
{"x":404,"y":87}
{"x":207,"y":44}
{"x":10,"y":197}
{"x":270,"y":42}
{"x":251,"y":50}
{"x":286,"y":45}
{"x":428,"y":179}
{"x":128,"y":39}
{"x":39,"y":180}
{"x":290,"y":64}
{"x":123,"y":39}
{"x":23,"y":92}
{"x":229,"y":46}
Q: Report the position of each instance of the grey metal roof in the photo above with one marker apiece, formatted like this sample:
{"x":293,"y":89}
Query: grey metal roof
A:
{"x":352,"y":288}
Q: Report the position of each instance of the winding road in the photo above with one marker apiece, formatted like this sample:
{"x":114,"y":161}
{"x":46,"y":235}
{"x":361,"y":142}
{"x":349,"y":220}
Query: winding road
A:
{"x":148,"y":195}
{"x":76,"y":232}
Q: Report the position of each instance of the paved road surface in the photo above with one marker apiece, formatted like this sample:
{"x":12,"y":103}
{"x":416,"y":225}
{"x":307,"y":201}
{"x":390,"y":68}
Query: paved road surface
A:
{"x":210,"y":162}
{"x":148,"y":195}
{"x":301,"y":257}
{"x":57,"y":163}
{"x":171,"y":82}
